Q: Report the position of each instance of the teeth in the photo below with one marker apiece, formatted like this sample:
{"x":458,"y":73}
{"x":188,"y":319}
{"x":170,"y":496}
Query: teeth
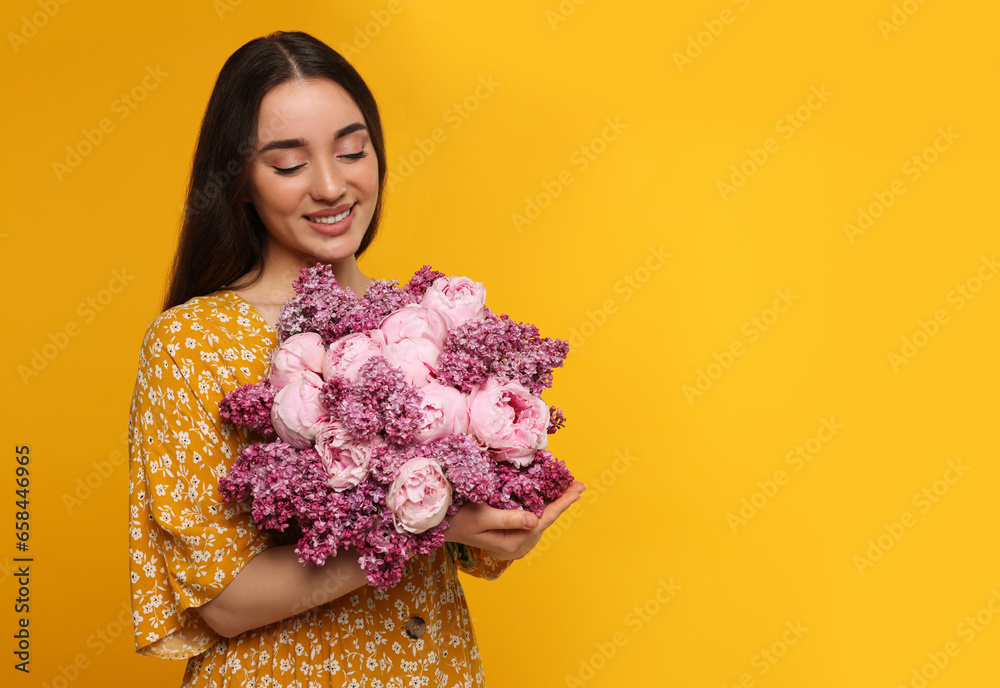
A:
{"x":330,"y":219}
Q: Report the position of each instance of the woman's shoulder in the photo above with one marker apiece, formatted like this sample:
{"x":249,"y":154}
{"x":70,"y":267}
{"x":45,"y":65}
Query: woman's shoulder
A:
{"x":220,"y":318}
{"x":223,"y":310}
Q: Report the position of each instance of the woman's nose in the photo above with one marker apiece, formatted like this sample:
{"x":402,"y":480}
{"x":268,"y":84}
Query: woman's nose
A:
{"x":328,"y":183}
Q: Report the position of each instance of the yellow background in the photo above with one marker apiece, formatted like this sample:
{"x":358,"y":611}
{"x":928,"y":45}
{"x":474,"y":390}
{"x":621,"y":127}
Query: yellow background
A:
{"x":695,"y":91}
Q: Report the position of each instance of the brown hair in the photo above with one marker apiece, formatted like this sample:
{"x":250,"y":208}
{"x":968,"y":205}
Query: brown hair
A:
{"x":222,"y":236}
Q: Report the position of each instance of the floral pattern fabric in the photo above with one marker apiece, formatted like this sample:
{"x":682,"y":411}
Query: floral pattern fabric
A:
{"x":187,"y":544}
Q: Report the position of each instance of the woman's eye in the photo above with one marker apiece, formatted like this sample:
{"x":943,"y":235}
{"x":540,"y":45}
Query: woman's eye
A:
{"x":290,"y":170}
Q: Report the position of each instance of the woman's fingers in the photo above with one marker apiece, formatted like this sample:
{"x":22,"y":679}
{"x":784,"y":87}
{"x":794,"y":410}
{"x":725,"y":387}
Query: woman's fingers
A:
{"x":517,"y":544}
{"x":510,"y":519}
{"x":509,"y":533}
{"x":555,"y":508}
{"x":476,"y":524}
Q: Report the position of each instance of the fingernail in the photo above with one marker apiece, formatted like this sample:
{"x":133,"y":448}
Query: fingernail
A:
{"x":527,"y":521}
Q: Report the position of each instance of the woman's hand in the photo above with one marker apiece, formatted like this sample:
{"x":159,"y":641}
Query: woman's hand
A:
{"x":505,"y":533}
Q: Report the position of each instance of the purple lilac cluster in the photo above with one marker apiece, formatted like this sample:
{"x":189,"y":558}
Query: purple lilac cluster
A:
{"x":381,"y":401}
{"x":342,"y":439}
{"x":421,"y":281}
{"x":542,"y":481}
{"x":499,"y":347}
{"x":250,"y":407}
{"x":321,"y":306}
{"x":282,"y":483}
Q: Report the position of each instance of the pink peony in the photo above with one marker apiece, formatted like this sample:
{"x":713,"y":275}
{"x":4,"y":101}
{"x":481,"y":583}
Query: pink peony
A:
{"x":296,"y":354}
{"x":509,"y":420}
{"x":414,"y":321}
{"x":297,"y":414}
{"x":345,"y":458}
{"x":444,"y":410}
{"x":417,"y":359}
{"x":346,"y":355}
{"x":458,"y":298}
{"x":419,"y":496}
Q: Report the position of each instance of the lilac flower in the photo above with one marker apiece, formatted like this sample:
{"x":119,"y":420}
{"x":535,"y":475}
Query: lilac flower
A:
{"x":556,"y":419}
{"x":279,"y":480}
{"x":323,"y":306}
{"x":384,"y":297}
{"x":250,"y":406}
{"x":319,"y":305}
{"x":499,"y":347}
{"x":379,"y":402}
{"x":529,"y":488}
{"x":421,"y":281}
{"x":383,"y":386}
{"x":467,"y":465}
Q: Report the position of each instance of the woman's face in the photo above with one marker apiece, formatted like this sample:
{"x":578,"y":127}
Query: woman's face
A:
{"x":314,"y":180}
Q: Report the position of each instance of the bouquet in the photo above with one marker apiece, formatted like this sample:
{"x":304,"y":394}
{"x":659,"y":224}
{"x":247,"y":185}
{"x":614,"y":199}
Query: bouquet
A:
{"x":382,"y":414}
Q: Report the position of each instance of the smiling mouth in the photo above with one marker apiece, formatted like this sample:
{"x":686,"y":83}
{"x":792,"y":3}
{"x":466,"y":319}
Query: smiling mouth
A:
{"x":330,"y":219}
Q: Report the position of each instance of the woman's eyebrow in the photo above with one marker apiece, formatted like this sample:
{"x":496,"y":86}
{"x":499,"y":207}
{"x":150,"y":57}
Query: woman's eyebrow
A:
{"x":301,"y":143}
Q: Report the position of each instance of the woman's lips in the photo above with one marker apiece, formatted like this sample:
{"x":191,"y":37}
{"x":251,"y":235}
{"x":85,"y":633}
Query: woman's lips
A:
{"x":332,"y":222}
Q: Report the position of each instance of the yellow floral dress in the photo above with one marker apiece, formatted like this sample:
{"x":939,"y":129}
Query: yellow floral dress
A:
{"x":187,"y":544}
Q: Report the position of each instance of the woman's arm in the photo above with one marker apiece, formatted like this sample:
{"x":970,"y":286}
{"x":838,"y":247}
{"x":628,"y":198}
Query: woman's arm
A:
{"x":274,"y":585}
{"x":506,"y":534}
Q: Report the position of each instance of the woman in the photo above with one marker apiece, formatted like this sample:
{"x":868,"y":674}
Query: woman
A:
{"x":289,"y":170}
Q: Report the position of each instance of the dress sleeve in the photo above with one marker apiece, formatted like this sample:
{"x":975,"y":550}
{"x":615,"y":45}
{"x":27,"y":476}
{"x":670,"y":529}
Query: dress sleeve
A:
{"x":185,"y":543}
{"x":476,"y":562}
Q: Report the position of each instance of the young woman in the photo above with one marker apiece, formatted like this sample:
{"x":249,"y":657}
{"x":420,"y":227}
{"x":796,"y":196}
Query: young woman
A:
{"x":289,"y":170}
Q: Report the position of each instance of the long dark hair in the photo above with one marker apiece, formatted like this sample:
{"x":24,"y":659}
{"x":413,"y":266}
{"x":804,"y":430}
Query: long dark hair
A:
{"x":222,"y":236}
